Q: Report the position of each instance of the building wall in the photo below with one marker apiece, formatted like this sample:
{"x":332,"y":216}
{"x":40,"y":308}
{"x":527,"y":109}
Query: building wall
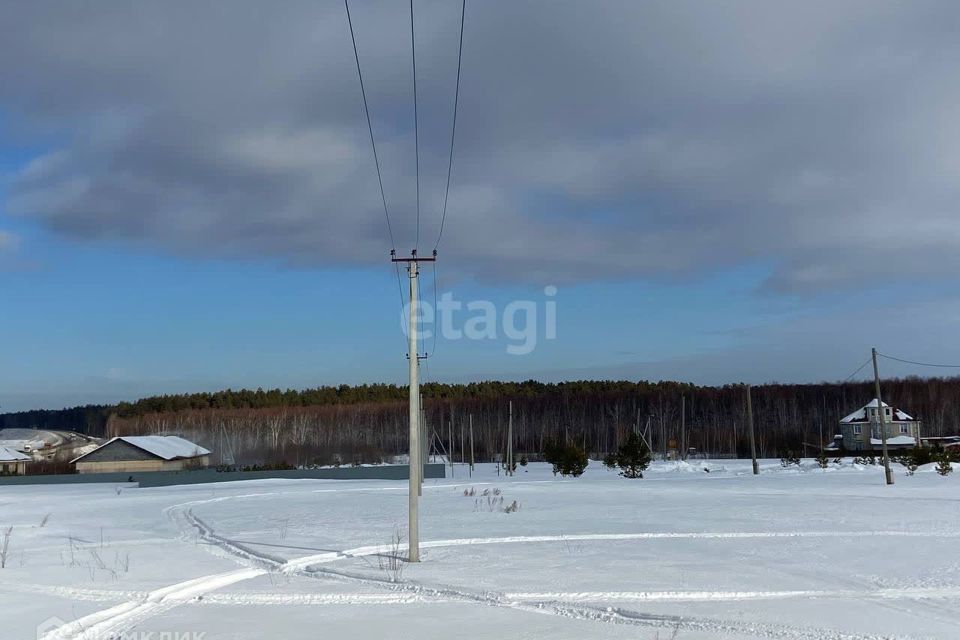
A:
{"x":13,"y":468}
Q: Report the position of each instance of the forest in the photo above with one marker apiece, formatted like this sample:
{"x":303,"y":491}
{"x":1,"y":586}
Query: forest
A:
{"x":368,"y":423}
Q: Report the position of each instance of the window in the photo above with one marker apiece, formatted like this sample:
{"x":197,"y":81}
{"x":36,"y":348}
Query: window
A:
{"x":887,"y":411}
{"x":857,"y":430}
{"x":904,"y":428}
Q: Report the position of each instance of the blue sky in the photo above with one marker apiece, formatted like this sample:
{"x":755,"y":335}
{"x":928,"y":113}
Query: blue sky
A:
{"x":750,"y":193}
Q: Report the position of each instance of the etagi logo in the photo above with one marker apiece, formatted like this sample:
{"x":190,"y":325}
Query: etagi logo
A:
{"x":519,"y":321}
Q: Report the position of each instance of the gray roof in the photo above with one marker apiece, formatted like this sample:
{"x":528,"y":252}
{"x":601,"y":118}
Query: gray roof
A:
{"x":12,"y":455}
{"x":165,"y":447}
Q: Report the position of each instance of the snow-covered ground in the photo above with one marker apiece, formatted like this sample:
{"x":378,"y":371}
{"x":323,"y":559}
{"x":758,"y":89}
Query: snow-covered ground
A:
{"x":797,"y":553}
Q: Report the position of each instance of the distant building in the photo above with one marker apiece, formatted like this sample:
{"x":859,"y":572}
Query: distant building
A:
{"x":947,"y":442}
{"x":860,"y":431}
{"x":143,"y":453}
{"x":12,"y":462}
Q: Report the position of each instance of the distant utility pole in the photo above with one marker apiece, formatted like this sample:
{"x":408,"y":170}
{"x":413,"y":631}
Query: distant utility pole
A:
{"x":471,"y":445}
{"x":881,"y":419}
{"x":683,"y":427}
{"x":450,"y":446}
{"x":415,"y":451}
{"x":510,"y":441}
{"x":753,"y":444}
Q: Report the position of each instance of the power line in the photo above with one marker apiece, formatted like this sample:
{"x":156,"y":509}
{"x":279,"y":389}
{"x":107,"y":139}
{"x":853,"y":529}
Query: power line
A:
{"x":453,"y":129}
{"x":922,"y":364}
{"x":366,"y":110}
{"x":859,"y":369}
{"x":416,"y":120}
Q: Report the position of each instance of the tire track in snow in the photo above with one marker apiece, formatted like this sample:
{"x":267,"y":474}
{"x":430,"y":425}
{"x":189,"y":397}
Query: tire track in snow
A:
{"x":242,"y":598}
{"x":106,"y":623}
{"x":73,"y":593}
{"x":722,"y":596}
{"x":298,"y":564}
{"x":299,"y":599}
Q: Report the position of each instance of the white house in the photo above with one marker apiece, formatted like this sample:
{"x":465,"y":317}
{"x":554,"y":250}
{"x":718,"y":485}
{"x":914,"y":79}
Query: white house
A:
{"x":860,"y":431}
{"x":12,"y":462}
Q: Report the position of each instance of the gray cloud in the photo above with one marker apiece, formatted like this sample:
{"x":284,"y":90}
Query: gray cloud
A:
{"x":603,"y":140}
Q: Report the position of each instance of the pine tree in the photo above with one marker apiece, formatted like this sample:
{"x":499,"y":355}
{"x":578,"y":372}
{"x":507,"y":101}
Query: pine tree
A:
{"x":822,"y":460}
{"x":633,"y":457}
{"x":943,"y":465}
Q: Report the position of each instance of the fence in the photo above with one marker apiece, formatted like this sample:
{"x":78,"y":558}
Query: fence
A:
{"x":202,"y":476}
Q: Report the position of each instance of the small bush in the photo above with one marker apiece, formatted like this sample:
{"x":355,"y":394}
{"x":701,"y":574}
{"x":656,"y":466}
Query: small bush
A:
{"x":5,"y":546}
{"x":789,"y":457}
{"x":822,"y":460}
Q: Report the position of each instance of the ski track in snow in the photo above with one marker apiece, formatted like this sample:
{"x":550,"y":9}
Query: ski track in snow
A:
{"x":141,"y":607}
{"x":74,"y":593}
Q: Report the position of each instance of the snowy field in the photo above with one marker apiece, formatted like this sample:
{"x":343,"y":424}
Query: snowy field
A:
{"x":685,"y":554}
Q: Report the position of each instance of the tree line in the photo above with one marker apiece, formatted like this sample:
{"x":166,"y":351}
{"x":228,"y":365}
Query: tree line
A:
{"x":368,"y":422}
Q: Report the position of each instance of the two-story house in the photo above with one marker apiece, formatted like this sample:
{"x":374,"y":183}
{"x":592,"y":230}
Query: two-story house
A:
{"x":860,"y":431}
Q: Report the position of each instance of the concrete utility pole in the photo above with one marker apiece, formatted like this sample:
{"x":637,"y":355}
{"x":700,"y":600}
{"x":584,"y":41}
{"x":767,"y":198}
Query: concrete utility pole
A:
{"x":471,"y":445}
{"x":753,"y":444}
{"x":413,"y":531}
{"x":881,"y":419}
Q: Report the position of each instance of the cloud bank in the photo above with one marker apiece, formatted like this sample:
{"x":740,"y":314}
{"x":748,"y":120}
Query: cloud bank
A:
{"x":606,"y":140}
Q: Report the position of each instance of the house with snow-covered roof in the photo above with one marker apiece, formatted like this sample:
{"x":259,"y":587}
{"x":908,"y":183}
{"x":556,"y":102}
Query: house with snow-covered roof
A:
{"x":13,"y":462}
{"x":861,"y":430}
{"x":143,"y":453}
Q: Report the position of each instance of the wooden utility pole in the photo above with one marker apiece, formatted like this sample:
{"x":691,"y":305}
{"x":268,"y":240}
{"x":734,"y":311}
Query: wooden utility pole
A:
{"x":753,"y":444}
{"x":510,"y":441}
{"x":471,"y":445}
{"x":683,"y":427}
{"x":881,"y":420}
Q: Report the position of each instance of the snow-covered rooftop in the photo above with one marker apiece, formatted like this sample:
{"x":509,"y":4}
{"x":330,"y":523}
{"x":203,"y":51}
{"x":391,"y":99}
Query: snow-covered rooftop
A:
{"x":895,"y":441}
{"x":860,"y":415}
{"x":166,"y":447}
{"x":12,"y":455}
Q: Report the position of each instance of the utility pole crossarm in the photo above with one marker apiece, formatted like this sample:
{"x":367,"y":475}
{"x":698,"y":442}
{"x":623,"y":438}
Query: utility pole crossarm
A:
{"x":413,"y":257}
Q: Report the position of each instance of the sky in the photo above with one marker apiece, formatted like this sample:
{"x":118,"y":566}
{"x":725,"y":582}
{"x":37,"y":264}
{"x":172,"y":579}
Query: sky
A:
{"x":713,"y":192}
